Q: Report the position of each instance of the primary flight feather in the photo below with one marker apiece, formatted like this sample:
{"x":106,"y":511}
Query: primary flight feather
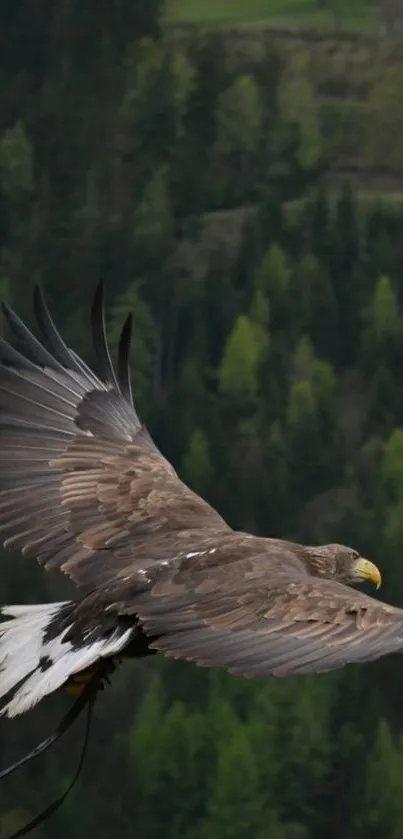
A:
{"x":84,"y":490}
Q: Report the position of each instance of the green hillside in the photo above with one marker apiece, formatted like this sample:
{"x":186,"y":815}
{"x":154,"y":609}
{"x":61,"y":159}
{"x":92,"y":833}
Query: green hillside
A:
{"x":291,"y":12}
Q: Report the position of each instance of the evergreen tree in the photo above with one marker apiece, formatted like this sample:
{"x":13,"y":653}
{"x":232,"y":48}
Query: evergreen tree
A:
{"x":381,"y":805}
{"x":239,"y":370}
{"x":314,"y":300}
{"x":272,"y":278}
{"x":197,"y":466}
{"x":239,"y":117}
{"x":16,"y":165}
{"x":235,"y":804}
{"x":297,"y":107}
{"x":385,"y":317}
{"x":382,"y":104}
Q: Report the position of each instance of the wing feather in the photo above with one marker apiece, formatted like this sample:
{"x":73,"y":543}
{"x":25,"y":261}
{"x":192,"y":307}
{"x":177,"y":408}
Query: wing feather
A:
{"x":84,"y":490}
{"x":104,"y":360}
{"x":53,"y":341}
{"x":123,"y":360}
{"x":29,"y":344}
{"x":80,"y":477}
{"x":277,"y":627}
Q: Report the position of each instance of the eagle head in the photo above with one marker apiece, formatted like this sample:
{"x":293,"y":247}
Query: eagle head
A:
{"x":343,"y":564}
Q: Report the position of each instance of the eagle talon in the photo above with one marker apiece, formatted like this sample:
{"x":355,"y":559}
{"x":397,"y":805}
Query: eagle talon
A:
{"x":76,"y":684}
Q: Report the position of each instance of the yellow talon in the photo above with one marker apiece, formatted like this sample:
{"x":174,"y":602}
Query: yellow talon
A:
{"x":76,"y":683}
{"x":72,"y":689}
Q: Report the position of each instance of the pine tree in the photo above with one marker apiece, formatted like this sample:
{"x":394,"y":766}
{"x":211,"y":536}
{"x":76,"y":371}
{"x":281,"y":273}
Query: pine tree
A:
{"x":234,"y":807}
{"x":239,"y":370}
{"x":385,"y":320}
{"x":197,"y":467}
{"x":380,"y":807}
{"x":152,"y":225}
{"x":272,"y":278}
{"x":314,"y":300}
{"x":385,"y":120}
{"x":16,"y":164}
{"x":143,"y":347}
{"x":239,"y":117}
{"x":297,"y":113}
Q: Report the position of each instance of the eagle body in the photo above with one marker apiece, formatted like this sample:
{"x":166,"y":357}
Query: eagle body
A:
{"x":85,"y":491}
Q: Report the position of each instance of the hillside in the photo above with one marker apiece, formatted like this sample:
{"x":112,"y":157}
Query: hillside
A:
{"x":353,"y":15}
{"x":356,"y":80}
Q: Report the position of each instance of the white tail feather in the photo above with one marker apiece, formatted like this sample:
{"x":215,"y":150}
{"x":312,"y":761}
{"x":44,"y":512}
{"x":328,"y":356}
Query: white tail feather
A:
{"x":22,"y":646}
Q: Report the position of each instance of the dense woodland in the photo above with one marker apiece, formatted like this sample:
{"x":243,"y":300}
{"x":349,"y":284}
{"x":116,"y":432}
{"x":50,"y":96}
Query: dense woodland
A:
{"x":268,"y":367}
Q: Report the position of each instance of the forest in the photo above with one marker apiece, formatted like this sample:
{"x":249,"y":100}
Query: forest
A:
{"x":267,"y":363}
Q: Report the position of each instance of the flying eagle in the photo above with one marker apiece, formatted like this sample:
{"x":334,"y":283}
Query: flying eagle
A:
{"x":84,"y":490}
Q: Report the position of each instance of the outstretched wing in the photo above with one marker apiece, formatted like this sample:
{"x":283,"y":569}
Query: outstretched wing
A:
{"x":256,"y":621}
{"x":84,"y":489}
{"x":82,"y":486}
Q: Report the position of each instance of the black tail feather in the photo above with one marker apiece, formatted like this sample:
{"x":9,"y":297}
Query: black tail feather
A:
{"x":12,"y":357}
{"x":124,"y":360}
{"x":52,"y":352}
{"x":105,"y":366}
{"x":52,"y":339}
{"x":33,"y":349}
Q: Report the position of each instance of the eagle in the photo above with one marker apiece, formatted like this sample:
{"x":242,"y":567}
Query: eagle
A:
{"x":85,"y":491}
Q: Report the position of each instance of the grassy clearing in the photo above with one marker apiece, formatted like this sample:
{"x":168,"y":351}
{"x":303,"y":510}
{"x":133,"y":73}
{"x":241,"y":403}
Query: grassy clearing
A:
{"x":279,"y":12}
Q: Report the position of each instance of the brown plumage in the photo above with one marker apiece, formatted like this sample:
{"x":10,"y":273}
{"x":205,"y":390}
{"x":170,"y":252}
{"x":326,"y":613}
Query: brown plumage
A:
{"x":84,"y":490}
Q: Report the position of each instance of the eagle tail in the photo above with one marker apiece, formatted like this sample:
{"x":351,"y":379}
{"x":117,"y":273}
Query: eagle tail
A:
{"x":35,"y":661}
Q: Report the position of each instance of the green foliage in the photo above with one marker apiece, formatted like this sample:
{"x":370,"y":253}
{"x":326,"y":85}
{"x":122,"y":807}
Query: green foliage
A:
{"x":153,"y":215}
{"x":293,"y":13}
{"x":184,"y":77}
{"x":235,"y":804}
{"x":385,"y":317}
{"x":259,"y":312}
{"x":393,"y":464}
{"x":197,"y":466}
{"x":301,"y":408}
{"x":297,"y":112}
{"x":382,"y":798}
{"x":145,"y":62}
{"x":386,"y":120}
{"x":239,"y":370}
{"x":16,"y":165}
{"x":143,"y":342}
{"x":273,"y":274}
{"x":239,"y":116}
{"x":344,"y":126}
{"x":145,"y":750}
{"x":238,"y":129}
{"x":313,"y":294}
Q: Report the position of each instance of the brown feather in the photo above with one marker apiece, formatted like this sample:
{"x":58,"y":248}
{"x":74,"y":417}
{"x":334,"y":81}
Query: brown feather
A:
{"x":84,"y":489}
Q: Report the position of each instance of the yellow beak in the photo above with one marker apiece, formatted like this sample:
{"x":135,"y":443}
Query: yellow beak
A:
{"x":367,"y":570}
